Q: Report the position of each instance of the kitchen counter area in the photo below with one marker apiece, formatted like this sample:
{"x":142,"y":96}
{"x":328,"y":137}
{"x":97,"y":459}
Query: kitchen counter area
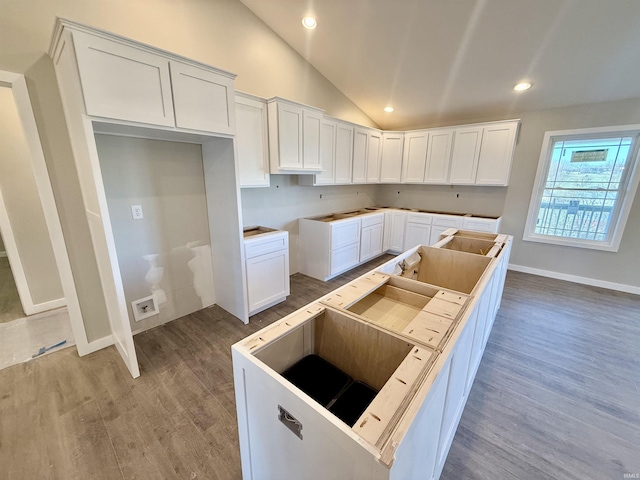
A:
{"x":334,"y":243}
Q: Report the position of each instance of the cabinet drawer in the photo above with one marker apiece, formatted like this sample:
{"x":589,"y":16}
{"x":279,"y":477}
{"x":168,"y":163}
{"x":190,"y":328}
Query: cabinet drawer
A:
{"x":481,"y":224}
{"x":345,"y":258}
{"x":345,"y":233}
{"x":423,"y":218}
{"x":266,"y":245}
{"x":369,"y":220}
{"x":448,"y":221}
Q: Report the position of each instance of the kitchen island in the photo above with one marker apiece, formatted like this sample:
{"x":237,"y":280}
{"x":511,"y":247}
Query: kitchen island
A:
{"x":413,"y":331}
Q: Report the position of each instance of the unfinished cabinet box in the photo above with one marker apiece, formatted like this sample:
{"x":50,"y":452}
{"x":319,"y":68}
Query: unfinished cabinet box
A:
{"x":286,"y":434}
{"x":423,"y":313}
{"x":444,"y":268}
{"x":423,"y":383}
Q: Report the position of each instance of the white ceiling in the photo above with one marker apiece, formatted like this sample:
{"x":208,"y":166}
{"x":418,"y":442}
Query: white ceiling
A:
{"x":443,"y":60}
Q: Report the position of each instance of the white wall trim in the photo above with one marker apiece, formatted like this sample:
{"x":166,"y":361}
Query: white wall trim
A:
{"x":50,"y":305}
{"x":3,"y":254}
{"x":18,"y":85}
{"x":620,"y":287}
{"x":96,"y":345}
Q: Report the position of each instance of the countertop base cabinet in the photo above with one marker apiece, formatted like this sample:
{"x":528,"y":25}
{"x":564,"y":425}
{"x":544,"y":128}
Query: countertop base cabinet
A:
{"x":267,"y":270}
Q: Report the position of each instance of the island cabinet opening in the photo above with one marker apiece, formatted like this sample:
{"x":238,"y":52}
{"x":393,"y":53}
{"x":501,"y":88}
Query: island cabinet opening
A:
{"x":423,"y":313}
{"x":440,"y":267}
{"x":476,"y":246}
{"x":324,"y":384}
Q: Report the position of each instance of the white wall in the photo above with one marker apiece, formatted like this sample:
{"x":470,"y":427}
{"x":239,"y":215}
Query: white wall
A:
{"x":20,"y":194}
{"x":620,"y":267}
{"x":487,"y":201}
{"x":167,"y":253}
{"x":222,"y":33}
{"x":281,"y":205}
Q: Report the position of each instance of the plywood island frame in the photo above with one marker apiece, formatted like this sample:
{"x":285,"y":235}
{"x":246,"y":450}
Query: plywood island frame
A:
{"x":414,"y":330}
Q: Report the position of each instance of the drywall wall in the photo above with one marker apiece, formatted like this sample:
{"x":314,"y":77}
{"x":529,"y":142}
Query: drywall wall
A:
{"x":222,"y":33}
{"x":167,"y":253}
{"x":21,"y":199}
{"x":617,"y":267}
{"x":284,"y":202}
{"x":488,"y":201}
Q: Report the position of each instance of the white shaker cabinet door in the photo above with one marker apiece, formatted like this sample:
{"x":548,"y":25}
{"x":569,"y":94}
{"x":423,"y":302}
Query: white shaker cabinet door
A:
{"x":327,"y":153}
{"x":464,"y":158}
{"x":360,"y":148}
{"x":374,"y":156}
{"x":496,"y":154}
{"x":391,"y":160}
{"x":311,"y":126}
{"x":438,"y":156}
{"x":267,"y":278}
{"x":344,"y":153}
{"x":202,"y":100}
{"x":414,"y":156}
{"x":252,"y":143}
{"x":123,"y":82}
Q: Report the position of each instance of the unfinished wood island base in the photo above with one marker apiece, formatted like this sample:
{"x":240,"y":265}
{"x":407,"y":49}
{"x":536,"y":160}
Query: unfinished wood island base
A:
{"x":414,"y":330}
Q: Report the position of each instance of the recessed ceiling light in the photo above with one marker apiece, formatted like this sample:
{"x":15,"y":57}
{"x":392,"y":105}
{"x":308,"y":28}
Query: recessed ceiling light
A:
{"x":522,"y":86}
{"x":309,"y":22}
{"x":388,"y":109}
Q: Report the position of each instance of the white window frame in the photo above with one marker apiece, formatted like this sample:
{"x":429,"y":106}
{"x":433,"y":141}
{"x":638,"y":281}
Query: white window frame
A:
{"x":627,"y":191}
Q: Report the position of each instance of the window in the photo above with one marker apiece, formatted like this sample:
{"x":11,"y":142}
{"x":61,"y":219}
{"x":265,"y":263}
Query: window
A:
{"x":584,"y":187}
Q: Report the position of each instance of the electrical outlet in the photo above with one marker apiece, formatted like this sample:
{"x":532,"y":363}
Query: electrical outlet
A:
{"x":136,"y":212}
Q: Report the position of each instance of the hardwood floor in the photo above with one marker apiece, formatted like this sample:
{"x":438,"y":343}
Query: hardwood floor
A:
{"x":556,"y":396}
{"x":10,"y":306}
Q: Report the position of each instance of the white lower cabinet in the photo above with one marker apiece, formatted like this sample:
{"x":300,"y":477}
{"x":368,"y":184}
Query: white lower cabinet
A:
{"x":491,"y":225}
{"x":442,"y":223}
{"x":398,"y":223}
{"x":344,"y":258}
{"x":371,"y":237}
{"x":418,"y":230}
{"x":267,"y":269}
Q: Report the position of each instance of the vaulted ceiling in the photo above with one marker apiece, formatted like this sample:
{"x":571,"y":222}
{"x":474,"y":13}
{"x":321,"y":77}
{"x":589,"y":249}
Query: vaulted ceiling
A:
{"x":438,"y":61}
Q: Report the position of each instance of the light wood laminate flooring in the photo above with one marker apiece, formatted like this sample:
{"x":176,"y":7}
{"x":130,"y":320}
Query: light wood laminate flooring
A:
{"x":10,"y":306}
{"x":556,"y":395}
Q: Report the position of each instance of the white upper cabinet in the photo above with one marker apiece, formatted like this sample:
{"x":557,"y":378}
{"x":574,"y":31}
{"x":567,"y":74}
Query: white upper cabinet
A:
{"x":252,"y":146}
{"x":360,"y":148}
{"x":294,"y":137}
{"x":202,"y":100}
{"x":414,"y":156}
{"x":438,"y":156}
{"x":327,"y":153}
{"x":344,"y":153}
{"x":496,"y":153}
{"x":464,"y":158}
{"x":123,"y":82}
{"x":374,"y":156}
{"x":391,"y":162}
{"x":126,"y":81}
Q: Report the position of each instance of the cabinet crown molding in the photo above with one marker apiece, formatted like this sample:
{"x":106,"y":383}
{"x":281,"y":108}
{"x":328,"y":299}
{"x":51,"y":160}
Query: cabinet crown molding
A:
{"x":297,"y":104}
{"x":62,"y":23}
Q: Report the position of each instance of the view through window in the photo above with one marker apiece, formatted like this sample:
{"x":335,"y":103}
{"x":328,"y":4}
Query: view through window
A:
{"x":580,"y":193}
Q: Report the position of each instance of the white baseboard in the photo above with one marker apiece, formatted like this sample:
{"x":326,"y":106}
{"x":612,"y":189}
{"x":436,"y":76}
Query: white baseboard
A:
{"x":96,"y":345}
{"x":3,"y":254}
{"x":620,"y":287}
{"x":45,"y":306}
